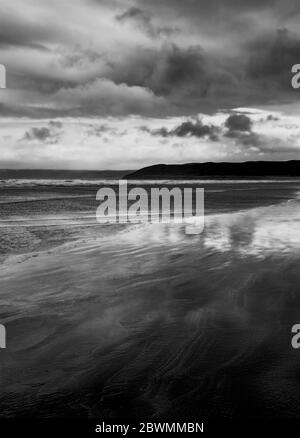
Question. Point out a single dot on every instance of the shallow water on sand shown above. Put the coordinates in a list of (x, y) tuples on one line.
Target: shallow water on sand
[(145, 321)]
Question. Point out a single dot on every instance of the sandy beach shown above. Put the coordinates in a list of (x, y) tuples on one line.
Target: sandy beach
[(146, 320)]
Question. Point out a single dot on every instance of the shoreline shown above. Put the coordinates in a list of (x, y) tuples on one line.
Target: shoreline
[(86, 230), (47, 250)]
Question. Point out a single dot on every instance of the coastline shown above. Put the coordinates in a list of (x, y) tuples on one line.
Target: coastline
[(51, 233)]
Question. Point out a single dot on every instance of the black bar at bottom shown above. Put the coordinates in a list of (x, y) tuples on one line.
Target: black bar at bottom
[(125, 427)]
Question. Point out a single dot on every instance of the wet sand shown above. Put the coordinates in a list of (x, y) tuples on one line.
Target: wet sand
[(151, 322)]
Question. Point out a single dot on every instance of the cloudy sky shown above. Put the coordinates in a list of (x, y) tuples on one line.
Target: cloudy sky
[(126, 83)]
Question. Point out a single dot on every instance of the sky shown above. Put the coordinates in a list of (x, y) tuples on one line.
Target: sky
[(122, 84)]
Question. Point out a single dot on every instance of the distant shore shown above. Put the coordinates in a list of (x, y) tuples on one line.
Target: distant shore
[(247, 169)]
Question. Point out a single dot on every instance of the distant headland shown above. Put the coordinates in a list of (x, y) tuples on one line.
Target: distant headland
[(247, 169)]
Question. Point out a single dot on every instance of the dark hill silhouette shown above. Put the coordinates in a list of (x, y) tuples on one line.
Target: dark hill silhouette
[(247, 169)]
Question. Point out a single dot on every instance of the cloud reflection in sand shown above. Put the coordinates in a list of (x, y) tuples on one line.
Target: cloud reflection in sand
[(259, 232)]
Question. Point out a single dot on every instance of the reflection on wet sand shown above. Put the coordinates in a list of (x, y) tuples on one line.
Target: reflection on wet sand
[(149, 321)]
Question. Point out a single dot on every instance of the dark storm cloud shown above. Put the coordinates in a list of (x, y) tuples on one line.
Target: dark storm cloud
[(186, 77), (196, 129), (272, 118), (187, 129), (201, 10), (143, 20), (49, 134), (239, 127), (38, 134), (272, 57), (180, 70), (197, 56), (205, 80), (238, 123)]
